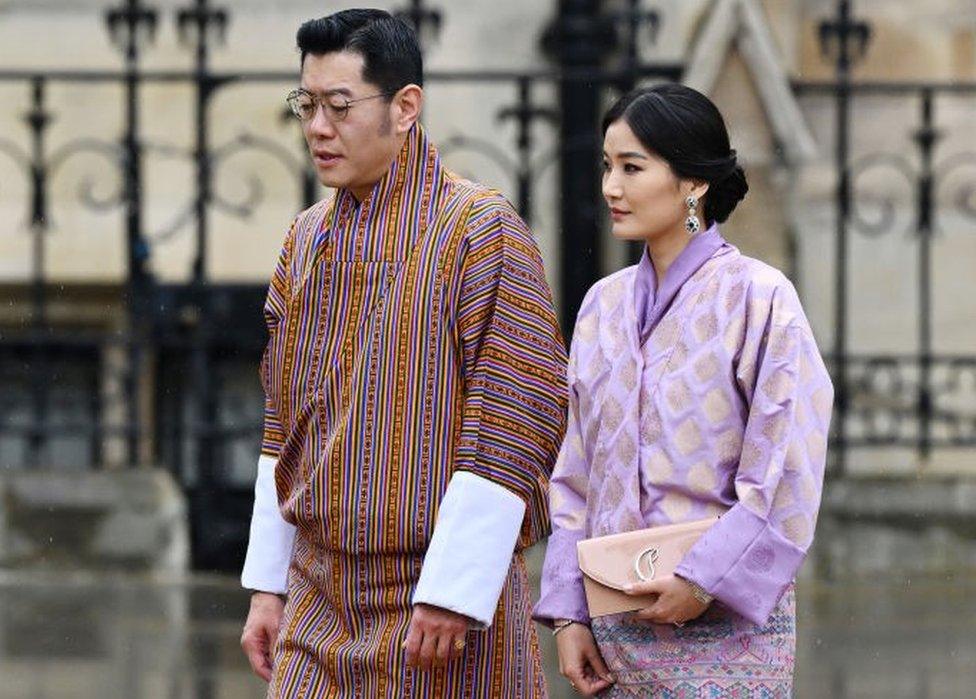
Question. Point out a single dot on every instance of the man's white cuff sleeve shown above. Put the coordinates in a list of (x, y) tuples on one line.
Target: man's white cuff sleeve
[(470, 553), (272, 538)]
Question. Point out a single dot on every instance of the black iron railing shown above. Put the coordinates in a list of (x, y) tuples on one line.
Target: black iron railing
[(869, 387), (171, 377)]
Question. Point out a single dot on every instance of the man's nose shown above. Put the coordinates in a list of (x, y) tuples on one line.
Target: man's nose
[(319, 124)]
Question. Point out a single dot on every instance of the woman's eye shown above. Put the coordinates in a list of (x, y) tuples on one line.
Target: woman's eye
[(605, 165), (630, 168)]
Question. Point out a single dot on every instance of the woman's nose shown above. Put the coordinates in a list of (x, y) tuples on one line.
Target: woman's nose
[(611, 186)]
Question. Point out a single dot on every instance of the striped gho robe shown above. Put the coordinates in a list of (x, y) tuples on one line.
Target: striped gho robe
[(415, 376)]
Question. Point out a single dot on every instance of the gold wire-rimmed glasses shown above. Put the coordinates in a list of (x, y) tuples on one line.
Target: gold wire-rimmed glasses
[(304, 104)]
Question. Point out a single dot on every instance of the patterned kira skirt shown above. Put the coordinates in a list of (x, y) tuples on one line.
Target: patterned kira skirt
[(720, 655)]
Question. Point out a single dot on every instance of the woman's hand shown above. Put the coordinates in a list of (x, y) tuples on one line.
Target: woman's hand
[(675, 604), (580, 661)]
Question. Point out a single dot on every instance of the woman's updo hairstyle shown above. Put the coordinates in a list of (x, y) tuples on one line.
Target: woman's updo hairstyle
[(684, 127)]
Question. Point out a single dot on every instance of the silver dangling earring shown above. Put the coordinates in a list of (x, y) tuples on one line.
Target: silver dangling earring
[(692, 223)]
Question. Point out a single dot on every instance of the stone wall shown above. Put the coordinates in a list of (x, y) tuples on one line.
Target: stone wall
[(882, 527), (133, 520)]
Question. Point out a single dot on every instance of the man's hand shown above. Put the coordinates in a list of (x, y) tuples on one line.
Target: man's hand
[(675, 603), (261, 632), (435, 636), (580, 661)]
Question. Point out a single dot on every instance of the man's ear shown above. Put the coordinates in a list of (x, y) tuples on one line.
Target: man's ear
[(409, 100)]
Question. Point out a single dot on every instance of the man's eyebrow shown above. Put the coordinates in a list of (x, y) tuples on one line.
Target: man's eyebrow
[(344, 91)]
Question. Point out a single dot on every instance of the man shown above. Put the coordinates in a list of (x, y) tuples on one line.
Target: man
[(415, 381)]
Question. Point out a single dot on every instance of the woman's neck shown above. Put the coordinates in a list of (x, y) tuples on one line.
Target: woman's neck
[(664, 250)]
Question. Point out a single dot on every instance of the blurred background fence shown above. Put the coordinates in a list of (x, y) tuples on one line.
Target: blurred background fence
[(155, 362)]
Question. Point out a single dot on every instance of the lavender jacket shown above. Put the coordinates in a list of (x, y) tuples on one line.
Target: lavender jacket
[(704, 395)]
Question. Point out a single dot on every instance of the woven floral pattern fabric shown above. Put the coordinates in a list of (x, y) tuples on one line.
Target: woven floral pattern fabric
[(720, 655), (721, 408)]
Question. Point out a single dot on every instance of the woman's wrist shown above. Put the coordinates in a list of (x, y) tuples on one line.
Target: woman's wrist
[(561, 624), (697, 591)]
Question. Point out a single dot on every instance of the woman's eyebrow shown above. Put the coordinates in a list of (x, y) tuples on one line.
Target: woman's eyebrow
[(628, 154)]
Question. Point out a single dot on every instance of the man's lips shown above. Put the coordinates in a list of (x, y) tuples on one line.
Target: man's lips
[(325, 158)]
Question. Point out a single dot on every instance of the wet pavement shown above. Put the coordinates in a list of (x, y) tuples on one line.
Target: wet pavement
[(70, 635)]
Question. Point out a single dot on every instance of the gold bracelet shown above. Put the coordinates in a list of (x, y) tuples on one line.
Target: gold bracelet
[(556, 628), (699, 593)]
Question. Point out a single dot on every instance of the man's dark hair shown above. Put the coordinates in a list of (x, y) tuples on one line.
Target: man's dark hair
[(389, 47)]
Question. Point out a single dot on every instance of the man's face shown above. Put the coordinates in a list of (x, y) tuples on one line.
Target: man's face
[(356, 151)]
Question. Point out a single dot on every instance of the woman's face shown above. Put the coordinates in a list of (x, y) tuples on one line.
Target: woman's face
[(645, 197)]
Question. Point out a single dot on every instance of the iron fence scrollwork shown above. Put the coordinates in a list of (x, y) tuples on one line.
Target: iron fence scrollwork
[(173, 383)]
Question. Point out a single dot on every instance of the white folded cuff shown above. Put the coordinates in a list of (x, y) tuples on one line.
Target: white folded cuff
[(272, 538), (470, 553)]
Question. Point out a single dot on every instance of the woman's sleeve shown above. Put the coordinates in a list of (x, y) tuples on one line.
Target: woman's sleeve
[(562, 595), (752, 554)]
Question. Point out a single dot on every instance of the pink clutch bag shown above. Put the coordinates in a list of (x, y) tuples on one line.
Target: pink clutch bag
[(609, 563)]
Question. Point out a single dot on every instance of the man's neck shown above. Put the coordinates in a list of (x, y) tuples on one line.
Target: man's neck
[(360, 192)]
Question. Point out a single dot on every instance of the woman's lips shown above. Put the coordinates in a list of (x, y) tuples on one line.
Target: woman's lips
[(618, 214)]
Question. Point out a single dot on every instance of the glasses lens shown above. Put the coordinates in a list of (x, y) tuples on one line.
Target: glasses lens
[(338, 107), (301, 104)]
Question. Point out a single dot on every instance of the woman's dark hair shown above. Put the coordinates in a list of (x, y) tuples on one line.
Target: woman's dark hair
[(685, 128), (391, 54)]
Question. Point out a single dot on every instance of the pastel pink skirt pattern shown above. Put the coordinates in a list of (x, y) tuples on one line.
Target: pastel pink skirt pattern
[(720, 655)]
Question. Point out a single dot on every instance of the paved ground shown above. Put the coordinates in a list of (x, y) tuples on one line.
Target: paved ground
[(130, 638)]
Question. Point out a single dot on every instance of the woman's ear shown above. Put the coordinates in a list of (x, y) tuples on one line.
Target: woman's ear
[(409, 100), (698, 189)]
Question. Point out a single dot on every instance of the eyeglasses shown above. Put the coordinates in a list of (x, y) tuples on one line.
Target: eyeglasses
[(304, 104)]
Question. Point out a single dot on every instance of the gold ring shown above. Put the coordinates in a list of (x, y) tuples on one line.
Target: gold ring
[(458, 644)]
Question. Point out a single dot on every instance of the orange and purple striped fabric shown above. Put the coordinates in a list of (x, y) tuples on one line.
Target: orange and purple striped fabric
[(411, 336)]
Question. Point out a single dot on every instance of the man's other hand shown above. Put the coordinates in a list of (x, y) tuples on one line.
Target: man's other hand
[(435, 636), (261, 632)]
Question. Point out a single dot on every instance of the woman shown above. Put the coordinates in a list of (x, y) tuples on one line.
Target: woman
[(696, 390)]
